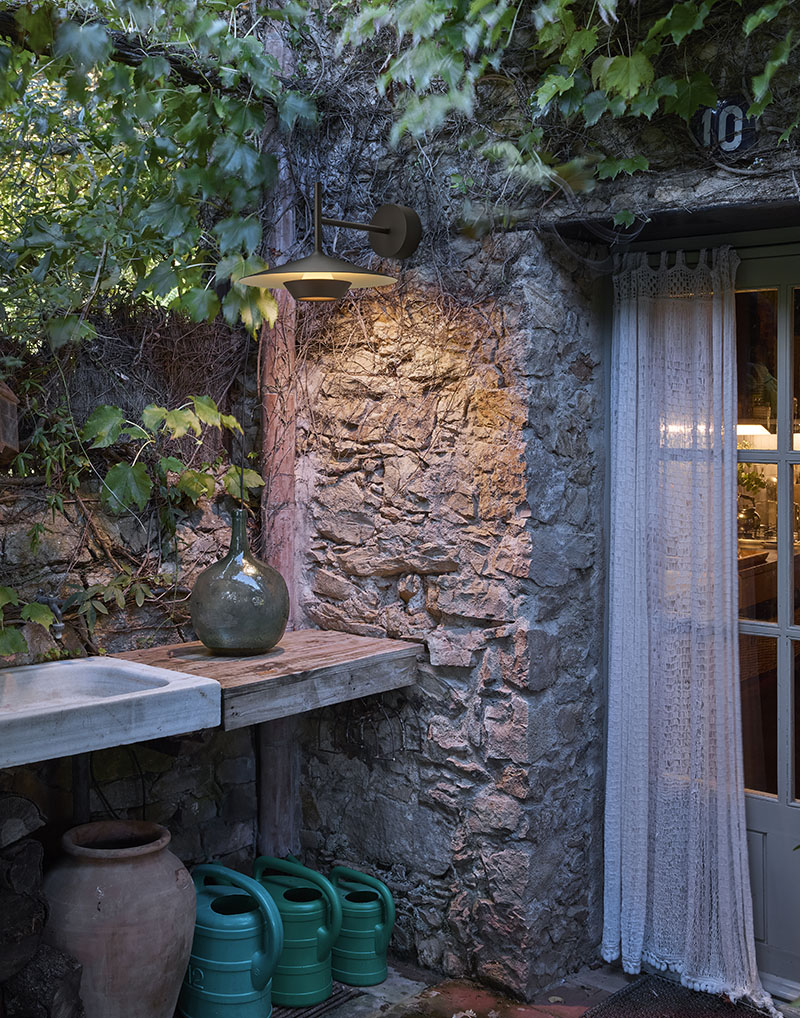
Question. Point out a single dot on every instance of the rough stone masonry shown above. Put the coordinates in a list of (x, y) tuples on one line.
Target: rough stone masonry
[(452, 476)]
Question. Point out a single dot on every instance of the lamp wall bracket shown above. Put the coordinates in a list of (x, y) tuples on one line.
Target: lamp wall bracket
[(395, 230)]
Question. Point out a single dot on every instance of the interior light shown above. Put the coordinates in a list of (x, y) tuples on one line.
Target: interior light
[(752, 429)]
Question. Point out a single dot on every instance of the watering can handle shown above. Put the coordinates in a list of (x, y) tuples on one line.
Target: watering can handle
[(264, 961), (326, 936), (342, 874)]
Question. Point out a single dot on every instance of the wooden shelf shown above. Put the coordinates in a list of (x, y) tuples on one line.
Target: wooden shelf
[(309, 668)]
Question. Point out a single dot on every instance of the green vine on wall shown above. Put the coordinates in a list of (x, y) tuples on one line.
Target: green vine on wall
[(574, 65)]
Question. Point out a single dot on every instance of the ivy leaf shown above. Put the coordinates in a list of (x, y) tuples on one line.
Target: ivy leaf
[(35, 612), (250, 305), (153, 416), (171, 464), (229, 421), (68, 329), (627, 75), (180, 422), (86, 45), (293, 106), (594, 106), (207, 410), (686, 18), (8, 596), (646, 103), (196, 484), (690, 94), (236, 233), (789, 130), (580, 45), (37, 24), (200, 304), (252, 480), (152, 68), (12, 642), (777, 58), (160, 280), (553, 85), (236, 159), (762, 15), (167, 217), (757, 108), (126, 485), (103, 427), (624, 218), (610, 168)]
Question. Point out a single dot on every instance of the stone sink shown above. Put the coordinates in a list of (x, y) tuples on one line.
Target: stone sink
[(66, 707)]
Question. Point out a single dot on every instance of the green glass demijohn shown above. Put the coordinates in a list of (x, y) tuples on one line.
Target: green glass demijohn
[(240, 605)]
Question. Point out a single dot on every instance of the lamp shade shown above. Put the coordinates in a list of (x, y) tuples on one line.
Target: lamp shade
[(317, 266)]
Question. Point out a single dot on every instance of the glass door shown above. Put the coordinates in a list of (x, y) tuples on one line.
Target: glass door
[(768, 524)]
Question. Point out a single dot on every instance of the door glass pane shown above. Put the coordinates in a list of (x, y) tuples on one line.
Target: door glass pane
[(756, 351), (756, 524), (796, 541), (758, 663), (796, 369), (795, 645)]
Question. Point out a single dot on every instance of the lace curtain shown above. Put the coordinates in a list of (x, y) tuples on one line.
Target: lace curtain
[(677, 888)]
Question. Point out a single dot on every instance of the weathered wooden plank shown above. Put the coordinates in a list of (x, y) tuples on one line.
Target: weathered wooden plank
[(294, 694), (309, 668), (279, 794)]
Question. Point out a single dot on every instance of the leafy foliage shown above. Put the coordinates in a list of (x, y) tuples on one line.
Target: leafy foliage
[(132, 144), (123, 181), (128, 485), (577, 61)]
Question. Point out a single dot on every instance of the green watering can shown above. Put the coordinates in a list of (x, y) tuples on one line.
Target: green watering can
[(359, 954), (312, 917), (238, 938)]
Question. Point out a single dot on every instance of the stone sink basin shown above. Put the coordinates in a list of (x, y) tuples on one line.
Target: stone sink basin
[(65, 707)]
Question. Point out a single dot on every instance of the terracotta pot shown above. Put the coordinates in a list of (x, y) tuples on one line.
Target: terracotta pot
[(124, 906)]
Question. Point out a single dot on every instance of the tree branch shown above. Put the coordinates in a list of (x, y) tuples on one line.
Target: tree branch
[(128, 50)]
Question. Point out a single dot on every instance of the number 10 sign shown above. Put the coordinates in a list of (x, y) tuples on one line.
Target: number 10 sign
[(725, 126)]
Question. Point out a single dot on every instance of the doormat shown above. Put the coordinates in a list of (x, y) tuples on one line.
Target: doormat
[(341, 994), (653, 997)]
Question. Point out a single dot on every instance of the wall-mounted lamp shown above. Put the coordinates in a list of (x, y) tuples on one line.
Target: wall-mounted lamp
[(394, 232)]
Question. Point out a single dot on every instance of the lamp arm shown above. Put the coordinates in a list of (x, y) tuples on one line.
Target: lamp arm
[(354, 226)]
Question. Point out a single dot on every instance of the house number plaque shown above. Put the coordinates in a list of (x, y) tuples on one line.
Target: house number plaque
[(725, 126)]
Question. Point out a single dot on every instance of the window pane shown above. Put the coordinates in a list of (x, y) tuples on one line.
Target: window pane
[(757, 519), (758, 662), (756, 351)]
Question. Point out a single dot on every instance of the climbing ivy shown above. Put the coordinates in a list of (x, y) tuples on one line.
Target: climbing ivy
[(575, 64)]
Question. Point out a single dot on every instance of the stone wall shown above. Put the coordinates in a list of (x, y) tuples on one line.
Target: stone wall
[(452, 478), (201, 787)]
